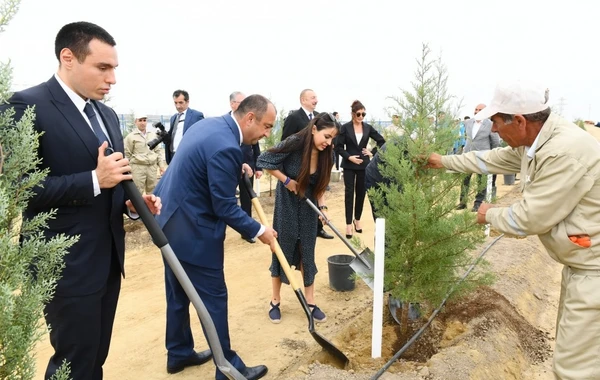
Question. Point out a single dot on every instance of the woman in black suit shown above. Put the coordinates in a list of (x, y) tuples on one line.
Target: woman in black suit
[(351, 144)]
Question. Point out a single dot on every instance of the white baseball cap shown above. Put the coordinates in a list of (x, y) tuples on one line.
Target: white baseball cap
[(516, 98), (140, 115)]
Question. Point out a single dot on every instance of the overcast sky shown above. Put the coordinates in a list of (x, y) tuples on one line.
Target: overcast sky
[(343, 49)]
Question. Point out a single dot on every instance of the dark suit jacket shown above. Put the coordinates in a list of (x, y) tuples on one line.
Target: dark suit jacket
[(295, 122), (191, 117), (346, 144), (251, 153), (198, 193), (69, 149)]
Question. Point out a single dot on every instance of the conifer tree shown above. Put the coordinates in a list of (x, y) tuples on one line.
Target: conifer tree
[(428, 242), (30, 265)]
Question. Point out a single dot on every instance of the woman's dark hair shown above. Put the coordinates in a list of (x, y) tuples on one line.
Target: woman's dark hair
[(303, 140), (357, 105)]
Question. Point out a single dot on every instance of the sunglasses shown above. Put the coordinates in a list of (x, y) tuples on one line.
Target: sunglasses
[(360, 114)]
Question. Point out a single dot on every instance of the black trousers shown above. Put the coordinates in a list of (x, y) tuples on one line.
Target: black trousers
[(354, 182), (481, 184), (81, 328)]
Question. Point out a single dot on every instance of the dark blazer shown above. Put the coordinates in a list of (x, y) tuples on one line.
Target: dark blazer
[(346, 144), (251, 153), (295, 122), (69, 150), (191, 117), (198, 193)]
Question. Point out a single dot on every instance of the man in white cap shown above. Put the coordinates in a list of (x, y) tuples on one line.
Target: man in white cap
[(560, 181), (145, 162)]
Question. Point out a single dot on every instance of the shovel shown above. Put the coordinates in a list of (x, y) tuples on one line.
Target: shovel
[(363, 262), (327, 345), (160, 240)]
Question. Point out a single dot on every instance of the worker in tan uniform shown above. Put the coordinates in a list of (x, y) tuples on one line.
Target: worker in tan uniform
[(560, 180), (146, 163)]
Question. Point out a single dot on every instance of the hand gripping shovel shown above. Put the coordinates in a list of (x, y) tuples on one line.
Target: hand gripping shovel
[(363, 262), (327, 345), (160, 240)]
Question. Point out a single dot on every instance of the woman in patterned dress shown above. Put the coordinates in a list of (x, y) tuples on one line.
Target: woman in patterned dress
[(302, 164)]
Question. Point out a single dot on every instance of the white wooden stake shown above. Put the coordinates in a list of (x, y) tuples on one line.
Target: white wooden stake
[(488, 199), (377, 330)]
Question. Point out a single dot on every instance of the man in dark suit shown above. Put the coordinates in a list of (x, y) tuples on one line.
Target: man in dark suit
[(83, 185), (251, 153), (199, 194), (479, 137), (298, 120), (180, 122)]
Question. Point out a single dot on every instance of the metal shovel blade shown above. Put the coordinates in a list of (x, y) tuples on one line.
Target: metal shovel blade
[(394, 305), (363, 262), (363, 270)]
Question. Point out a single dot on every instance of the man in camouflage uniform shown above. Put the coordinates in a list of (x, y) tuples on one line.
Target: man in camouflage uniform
[(145, 163)]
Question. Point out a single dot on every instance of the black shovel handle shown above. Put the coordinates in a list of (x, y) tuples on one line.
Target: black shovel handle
[(158, 236)]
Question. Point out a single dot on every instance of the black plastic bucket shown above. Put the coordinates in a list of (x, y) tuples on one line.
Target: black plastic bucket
[(509, 179), (341, 275)]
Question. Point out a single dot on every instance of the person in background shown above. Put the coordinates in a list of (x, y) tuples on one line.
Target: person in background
[(298, 120), (336, 155), (460, 142), (479, 137), (302, 163), (352, 146), (145, 163), (180, 122)]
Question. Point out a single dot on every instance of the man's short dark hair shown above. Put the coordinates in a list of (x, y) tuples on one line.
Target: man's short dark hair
[(76, 37), (334, 113), (185, 94), (467, 117), (254, 103)]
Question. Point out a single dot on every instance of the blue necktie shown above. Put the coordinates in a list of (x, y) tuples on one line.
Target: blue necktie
[(89, 111)]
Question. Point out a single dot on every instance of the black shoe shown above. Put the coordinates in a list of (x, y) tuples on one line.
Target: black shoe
[(255, 373), (475, 207), (461, 207), (356, 229), (324, 235), (198, 358), (249, 240)]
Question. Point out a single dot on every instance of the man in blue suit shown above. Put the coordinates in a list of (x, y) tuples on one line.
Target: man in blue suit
[(83, 186), (198, 191), (180, 123)]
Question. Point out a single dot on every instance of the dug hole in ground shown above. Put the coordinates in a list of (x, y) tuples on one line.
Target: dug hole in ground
[(502, 332)]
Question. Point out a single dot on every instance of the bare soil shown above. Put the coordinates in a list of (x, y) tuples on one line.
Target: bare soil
[(501, 332)]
